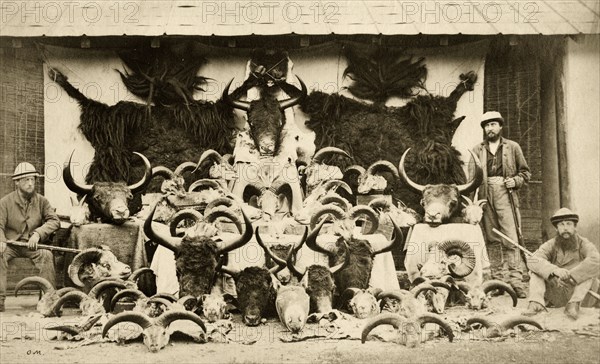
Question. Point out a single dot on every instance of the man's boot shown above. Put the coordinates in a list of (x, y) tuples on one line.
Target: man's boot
[(534, 308), (572, 310), (2, 308)]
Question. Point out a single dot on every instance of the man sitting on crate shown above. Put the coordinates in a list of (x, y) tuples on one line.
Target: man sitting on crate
[(26, 216), (563, 269)]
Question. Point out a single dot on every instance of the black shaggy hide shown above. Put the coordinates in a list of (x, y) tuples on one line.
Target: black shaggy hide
[(320, 285), (196, 263), (358, 272), (103, 193), (266, 120), (373, 132), (255, 291)]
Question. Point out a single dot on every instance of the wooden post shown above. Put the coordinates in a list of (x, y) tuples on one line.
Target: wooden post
[(561, 123)]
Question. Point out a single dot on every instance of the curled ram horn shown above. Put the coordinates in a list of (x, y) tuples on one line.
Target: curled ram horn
[(332, 210), (423, 287), (359, 210), (182, 215), (188, 301), (219, 201), (214, 214), (337, 200), (203, 184), (139, 272), (87, 256), (209, 154), (495, 330), (334, 183), (185, 167), (323, 152), (464, 251), (354, 169), (40, 282), (383, 166), (73, 296), (167, 296), (398, 322), (100, 287), (493, 284), (169, 242), (136, 294), (162, 171), (380, 203)]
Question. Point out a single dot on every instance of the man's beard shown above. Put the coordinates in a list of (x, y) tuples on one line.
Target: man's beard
[(492, 137), (567, 244)]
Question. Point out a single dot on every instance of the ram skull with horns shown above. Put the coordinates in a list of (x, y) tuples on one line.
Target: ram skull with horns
[(108, 201)]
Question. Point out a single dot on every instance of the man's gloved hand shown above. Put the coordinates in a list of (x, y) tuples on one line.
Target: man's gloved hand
[(2, 247), (33, 241), (562, 273)]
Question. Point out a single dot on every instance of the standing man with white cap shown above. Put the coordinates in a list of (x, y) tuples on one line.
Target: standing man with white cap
[(26, 216), (504, 169)]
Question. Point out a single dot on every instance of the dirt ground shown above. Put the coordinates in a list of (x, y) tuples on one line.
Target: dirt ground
[(24, 339)]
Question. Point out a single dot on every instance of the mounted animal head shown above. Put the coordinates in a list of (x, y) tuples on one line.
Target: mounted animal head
[(316, 279), (155, 330), (91, 303), (362, 302), (173, 183), (473, 212), (214, 306), (265, 117), (344, 222), (317, 172), (409, 329), (441, 201), (50, 294), (268, 67), (198, 251), (220, 167), (272, 196), (312, 201), (493, 329), (453, 257), (405, 303), (108, 200), (256, 286), (402, 217), (435, 299), (370, 180), (80, 211), (94, 264), (479, 297)]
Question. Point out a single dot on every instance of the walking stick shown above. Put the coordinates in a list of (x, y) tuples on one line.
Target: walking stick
[(511, 198), (43, 246)]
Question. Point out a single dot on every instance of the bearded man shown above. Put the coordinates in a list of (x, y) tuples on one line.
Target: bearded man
[(26, 216), (563, 269), (505, 170)]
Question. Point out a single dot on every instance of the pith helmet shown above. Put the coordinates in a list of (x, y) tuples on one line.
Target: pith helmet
[(490, 116), (25, 169), (564, 214)]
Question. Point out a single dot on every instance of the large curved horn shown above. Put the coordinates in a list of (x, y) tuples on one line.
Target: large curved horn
[(394, 243), (398, 295), (464, 287), (336, 199), (188, 301), (427, 318), (354, 169), (423, 287), (238, 242), (87, 256), (293, 101), (336, 183), (346, 262), (279, 263), (383, 165), (204, 182), (415, 187), (291, 258), (209, 153), (480, 320), (358, 210), (168, 242), (100, 287), (184, 167), (382, 319), (182, 215), (477, 179), (520, 320), (143, 183), (73, 296), (42, 283), (167, 296), (236, 104), (166, 318), (162, 171), (380, 203), (160, 300), (225, 212), (463, 250), (219, 201), (135, 275), (497, 284), (469, 201), (80, 189), (129, 293), (311, 240), (63, 291), (321, 153), (129, 316), (337, 213), (437, 283)]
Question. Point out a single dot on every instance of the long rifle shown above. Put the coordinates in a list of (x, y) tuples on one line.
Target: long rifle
[(43, 246), (511, 198)]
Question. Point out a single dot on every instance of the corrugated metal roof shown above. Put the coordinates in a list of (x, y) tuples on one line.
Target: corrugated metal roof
[(314, 17)]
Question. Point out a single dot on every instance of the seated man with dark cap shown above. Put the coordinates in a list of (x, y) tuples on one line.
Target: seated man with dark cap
[(563, 269), (26, 216)]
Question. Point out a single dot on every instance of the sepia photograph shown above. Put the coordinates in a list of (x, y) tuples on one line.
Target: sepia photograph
[(306, 181)]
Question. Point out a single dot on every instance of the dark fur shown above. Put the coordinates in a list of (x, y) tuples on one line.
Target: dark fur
[(102, 194), (320, 285), (196, 264), (255, 291), (358, 272), (266, 119)]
